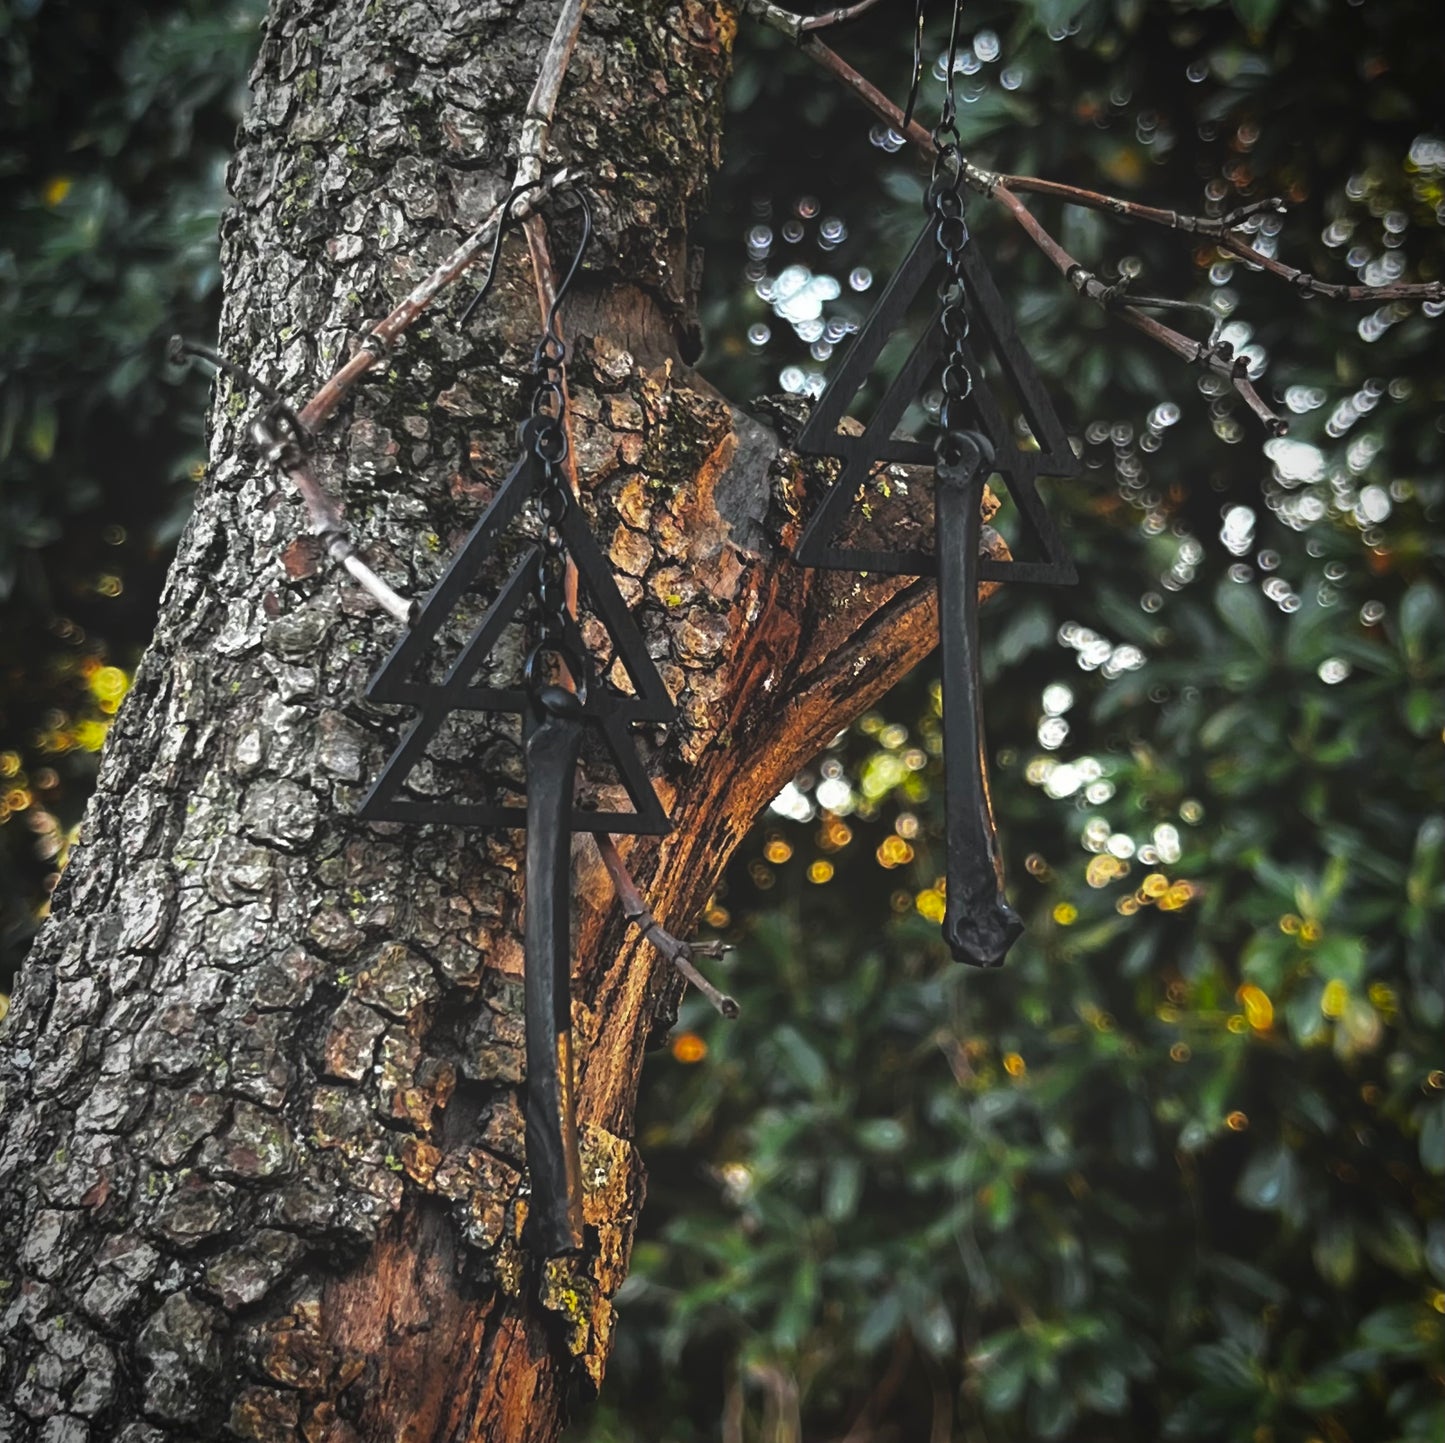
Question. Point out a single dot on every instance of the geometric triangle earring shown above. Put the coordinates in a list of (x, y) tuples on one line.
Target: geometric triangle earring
[(399, 679), (559, 701), (974, 442), (925, 267)]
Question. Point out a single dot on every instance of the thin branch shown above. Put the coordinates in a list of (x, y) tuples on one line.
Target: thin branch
[(1210, 357), (1005, 188), (536, 130), (1310, 285), (795, 26), (993, 186), (383, 336), (542, 105), (1134, 210), (1222, 229), (840, 16), (293, 456), (678, 952)]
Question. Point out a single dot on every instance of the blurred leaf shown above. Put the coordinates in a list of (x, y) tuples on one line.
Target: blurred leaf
[(1242, 610), (1258, 15), (1432, 1138)]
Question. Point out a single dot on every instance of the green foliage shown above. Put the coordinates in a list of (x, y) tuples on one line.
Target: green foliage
[(1174, 1171), (120, 122)]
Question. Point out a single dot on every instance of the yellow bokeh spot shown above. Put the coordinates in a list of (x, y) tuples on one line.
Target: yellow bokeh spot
[(1289, 924), (1126, 906), (1165, 1013), (894, 852), (109, 683), (17, 799), (777, 851), (820, 872), (1014, 1065), (1238, 1023), (689, 1047), (56, 189), (1384, 999), (930, 904), (1180, 1052), (1104, 869), (1336, 998), (1310, 932), (1237, 1121), (1435, 1081), (1156, 884), (716, 916), (1437, 1299), (89, 736), (1258, 1009), (1066, 914), (1176, 898), (9, 763)]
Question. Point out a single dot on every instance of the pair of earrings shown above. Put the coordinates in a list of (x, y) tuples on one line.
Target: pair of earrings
[(560, 699)]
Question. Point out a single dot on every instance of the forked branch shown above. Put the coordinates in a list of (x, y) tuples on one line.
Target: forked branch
[(678, 952), (1005, 189)]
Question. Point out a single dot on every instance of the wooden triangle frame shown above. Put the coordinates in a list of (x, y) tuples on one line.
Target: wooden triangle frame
[(610, 711), (1019, 470)]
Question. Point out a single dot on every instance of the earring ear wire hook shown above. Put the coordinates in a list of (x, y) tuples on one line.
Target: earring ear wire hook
[(917, 80), (503, 225), (550, 347)]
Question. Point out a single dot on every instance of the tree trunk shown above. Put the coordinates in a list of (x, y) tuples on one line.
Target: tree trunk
[(262, 1168)]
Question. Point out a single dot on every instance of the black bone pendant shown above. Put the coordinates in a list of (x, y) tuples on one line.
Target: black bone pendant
[(554, 723), (979, 925), (552, 1154)]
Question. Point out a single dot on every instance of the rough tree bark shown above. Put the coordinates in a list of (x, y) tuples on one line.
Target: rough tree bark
[(262, 1162)]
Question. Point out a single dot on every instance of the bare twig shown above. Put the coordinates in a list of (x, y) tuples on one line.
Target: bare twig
[(1006, 188), (1223, 229), (293, 456), (678, 952), (536, 130), (1133, 210), (839, 16), (384, 335), (1310, 285), (542, 105), (994, 187), (796, 26), (1194, 352)]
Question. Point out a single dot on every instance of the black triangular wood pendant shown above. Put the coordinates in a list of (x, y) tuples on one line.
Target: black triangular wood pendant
[(402, 678), (1018, 469)]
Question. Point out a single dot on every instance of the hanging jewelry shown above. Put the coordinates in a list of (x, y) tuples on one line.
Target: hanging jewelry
[(559, 701), (974, 441)]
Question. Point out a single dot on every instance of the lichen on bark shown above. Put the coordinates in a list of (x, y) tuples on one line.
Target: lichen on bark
[(262, 1171)]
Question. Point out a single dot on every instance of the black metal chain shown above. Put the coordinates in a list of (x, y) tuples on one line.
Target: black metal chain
[(546, 434), (944, 200)]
